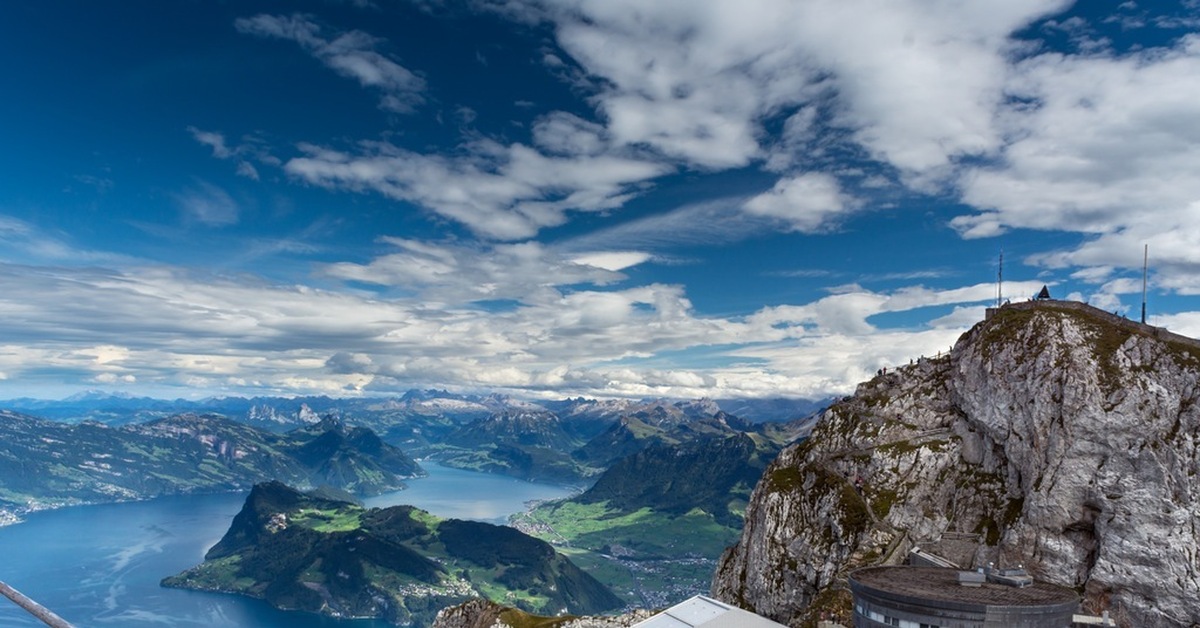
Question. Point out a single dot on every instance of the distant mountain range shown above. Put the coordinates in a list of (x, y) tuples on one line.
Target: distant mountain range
[(283, 413), (49, 463), (570, 440)]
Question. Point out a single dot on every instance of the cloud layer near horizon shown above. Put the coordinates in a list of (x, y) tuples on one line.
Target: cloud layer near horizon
[(215, 333)]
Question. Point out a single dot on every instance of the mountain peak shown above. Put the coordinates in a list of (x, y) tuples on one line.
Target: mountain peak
[(1054, 435)]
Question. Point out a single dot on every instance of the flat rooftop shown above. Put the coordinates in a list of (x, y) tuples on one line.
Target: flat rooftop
[(704, 612), (941, 584)]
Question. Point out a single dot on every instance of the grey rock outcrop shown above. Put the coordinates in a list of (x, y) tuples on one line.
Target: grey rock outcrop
[(484, 614), (1051, 436)]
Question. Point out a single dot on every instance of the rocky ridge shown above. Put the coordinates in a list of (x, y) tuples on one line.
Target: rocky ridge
[(480, 613), (1052, 435)]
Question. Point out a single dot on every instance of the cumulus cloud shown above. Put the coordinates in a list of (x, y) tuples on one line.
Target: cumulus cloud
[(351, 54), (808, 202), (1104, 145), (915, 82)]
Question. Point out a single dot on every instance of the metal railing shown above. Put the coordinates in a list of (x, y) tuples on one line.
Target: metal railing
[(33, 608)]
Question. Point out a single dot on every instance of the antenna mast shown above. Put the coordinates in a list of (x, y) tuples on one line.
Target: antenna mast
[(1000, 281), (1145, 262)]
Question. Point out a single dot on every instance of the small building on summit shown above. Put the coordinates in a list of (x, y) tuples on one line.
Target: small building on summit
[(704, 612), (1043, 294), (936, 597)]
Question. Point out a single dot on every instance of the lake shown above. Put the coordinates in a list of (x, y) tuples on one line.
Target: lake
[(100, 565)]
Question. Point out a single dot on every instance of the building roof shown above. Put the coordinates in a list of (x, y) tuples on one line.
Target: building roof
[(704, 612), (940, 584)]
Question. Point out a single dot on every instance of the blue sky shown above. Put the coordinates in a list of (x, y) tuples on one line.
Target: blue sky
[(682, 198)]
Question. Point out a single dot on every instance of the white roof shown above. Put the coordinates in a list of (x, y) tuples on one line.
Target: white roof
[(701, 611)]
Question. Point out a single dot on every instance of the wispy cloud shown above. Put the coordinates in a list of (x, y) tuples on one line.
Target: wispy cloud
[(23, 242), (351, 54), (208, 204), (709, 222), (505, 192), (248, 148)]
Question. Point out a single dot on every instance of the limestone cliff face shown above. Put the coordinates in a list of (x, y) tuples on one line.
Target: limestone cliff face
[(1052, 435)]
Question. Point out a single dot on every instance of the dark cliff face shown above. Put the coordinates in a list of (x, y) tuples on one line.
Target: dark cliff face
[(1050, 436)]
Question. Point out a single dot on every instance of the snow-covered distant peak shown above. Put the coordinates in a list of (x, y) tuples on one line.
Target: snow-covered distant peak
[(447, 405), (306, 414)]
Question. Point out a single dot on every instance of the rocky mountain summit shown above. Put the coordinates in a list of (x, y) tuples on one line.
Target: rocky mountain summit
[(1053, 435)]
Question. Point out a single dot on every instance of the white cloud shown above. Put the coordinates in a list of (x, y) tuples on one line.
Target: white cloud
[(911, 84), (213, 140), (916, 82), (563, 330), (1185, 323), (848, 310), (612, 260), (351, 54), (246, 169), (249, 147), (501, 192), (461, 274), (560, 133), (1104, 145), (113, 378), (808, 202)]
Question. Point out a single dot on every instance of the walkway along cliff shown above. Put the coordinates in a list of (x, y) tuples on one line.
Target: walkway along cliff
[(1053, 435)]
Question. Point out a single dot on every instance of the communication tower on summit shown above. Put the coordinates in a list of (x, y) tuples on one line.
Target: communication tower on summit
[(1000, 281), (1145, 263)]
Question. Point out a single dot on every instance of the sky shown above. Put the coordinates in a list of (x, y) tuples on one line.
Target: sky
[(550, 198)]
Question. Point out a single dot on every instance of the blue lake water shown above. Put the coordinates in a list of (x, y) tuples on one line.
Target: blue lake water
[(100, 565)]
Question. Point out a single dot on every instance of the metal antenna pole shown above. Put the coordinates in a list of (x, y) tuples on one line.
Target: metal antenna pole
[(1000, 281), (1145, 263)]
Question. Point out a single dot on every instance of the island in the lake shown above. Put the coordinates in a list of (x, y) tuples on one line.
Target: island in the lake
[(317, 553)]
